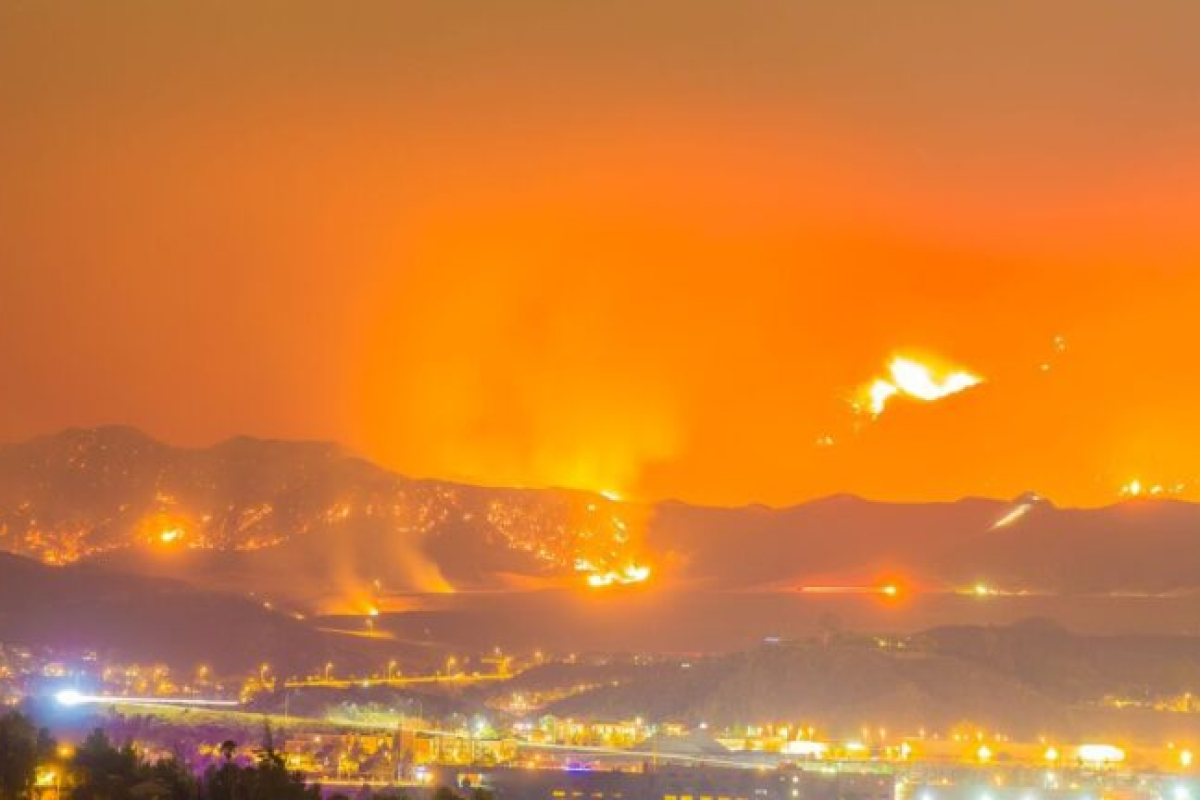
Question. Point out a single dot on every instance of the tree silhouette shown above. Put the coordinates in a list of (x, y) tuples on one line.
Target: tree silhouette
[(22, 746), (268, 779), (102, 771)]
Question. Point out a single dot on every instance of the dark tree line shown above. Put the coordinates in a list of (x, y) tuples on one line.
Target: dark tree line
[(100, 770), (23, 746)]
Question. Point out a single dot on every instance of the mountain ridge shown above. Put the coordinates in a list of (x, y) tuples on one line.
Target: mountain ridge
[(318, 529)]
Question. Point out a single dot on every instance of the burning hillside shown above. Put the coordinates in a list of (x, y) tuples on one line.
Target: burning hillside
[(350, 526)]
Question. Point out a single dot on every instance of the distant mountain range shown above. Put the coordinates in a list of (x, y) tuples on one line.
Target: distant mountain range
[(308, 529), (1024, 546), (1028, 679)]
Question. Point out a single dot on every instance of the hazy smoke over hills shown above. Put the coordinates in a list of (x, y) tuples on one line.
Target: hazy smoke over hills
[(310, 529)]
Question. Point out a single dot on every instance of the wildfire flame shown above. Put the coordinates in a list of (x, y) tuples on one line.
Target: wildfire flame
[(913, 379), (629, 574)]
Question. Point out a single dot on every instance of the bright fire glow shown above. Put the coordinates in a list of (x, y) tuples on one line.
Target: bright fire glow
[(629, 574), (170, 535), (913, 379)]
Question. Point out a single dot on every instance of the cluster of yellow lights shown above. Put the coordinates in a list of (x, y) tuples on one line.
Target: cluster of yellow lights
[(911, 378)]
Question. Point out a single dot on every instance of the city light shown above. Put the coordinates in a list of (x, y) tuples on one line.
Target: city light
[(69, 698), (1100, 754), (806, 749)]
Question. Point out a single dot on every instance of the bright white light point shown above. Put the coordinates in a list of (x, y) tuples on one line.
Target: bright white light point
[(610, 495), (71, 697), (1100, 754)]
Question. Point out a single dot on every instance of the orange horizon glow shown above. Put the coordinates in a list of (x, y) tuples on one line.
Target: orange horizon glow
[(655, 251)]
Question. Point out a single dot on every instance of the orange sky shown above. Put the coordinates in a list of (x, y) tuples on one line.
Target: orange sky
[(648, 247)]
